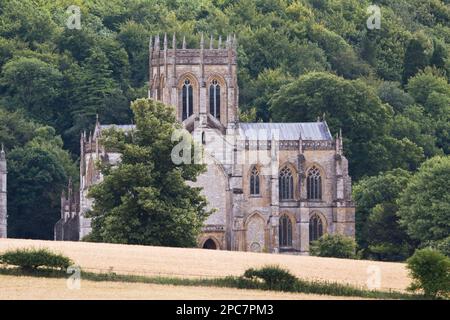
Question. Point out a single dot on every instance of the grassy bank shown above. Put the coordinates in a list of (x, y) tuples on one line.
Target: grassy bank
[(301, 286)]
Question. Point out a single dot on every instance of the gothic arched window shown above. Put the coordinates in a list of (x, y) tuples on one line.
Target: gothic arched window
[(188, 99), (286, 184), (254, 181), (214, 99), (285, 231), (314, 184), (315, 228)]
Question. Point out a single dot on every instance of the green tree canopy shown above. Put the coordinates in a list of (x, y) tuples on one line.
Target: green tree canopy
[(33, 85), (377, 229), (424, 205), (355, 108), (145, 199)]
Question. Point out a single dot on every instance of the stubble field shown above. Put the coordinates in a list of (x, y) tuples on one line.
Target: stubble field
[(199, 263)]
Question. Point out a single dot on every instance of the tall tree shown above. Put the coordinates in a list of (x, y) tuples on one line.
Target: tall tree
[(377, 228), (33, 85), (424, 205), (416, 57), (37, 173), (146, 199), (355, 108)]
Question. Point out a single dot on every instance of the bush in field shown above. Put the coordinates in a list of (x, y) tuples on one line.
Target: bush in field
[(274, 278), (430, 271), (32, 259), (336, 246)]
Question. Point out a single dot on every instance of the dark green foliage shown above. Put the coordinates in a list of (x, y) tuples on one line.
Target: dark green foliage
[(274, 277), (38, 171), (444, 246), (416, 57), (32, 259), (392, 93), (377, 228), (341, 55), (33, 85), (424, 204), (290, 56), (348, 105), (145, 198), (430, 271), (335, 246)]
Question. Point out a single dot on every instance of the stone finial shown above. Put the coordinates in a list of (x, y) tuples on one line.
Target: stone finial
[(339, 145), (184, 42), (96, 132), (150, 44), (165, 41), (157, 46), (2, 153), (234, 41), (174, 41), (219, 46), (202, 41), (211, 42), (300, 143), (70, 187)]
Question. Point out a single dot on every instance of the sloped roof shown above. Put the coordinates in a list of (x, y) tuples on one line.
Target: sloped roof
[(316, 131), (285, 131)]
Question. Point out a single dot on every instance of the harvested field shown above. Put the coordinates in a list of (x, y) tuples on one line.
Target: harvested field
[(177, 262), (31, 288)]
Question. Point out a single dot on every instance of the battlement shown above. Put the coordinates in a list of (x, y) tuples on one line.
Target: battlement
[(156, 45), (197, 81)]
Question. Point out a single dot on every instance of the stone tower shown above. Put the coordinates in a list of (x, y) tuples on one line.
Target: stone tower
[(3, 208), (201, 83)]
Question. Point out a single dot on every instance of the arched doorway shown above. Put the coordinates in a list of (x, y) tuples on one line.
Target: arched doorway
[(210, 244), (255, 233)]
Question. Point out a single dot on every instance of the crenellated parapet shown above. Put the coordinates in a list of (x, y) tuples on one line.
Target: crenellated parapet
[(200, 82)]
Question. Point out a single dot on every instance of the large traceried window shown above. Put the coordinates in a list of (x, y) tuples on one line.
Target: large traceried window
[(214, 99), (254, 181), (286, 184), (285, 231), (314, 184), (315, 228), (187, 99)]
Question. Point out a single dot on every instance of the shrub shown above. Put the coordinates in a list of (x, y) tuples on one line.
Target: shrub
[(273, 277), (430, 271), (337, 246), (32, 259)]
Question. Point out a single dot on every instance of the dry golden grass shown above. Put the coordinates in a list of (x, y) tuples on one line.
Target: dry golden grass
[(146, 260), (29, 288)]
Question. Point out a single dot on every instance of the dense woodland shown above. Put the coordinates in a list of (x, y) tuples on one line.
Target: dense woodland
[(387, 89)]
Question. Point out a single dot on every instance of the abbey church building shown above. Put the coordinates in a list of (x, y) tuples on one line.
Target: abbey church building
[(275, 186)]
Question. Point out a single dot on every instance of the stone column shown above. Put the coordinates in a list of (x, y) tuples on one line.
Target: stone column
[(303, 228)]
